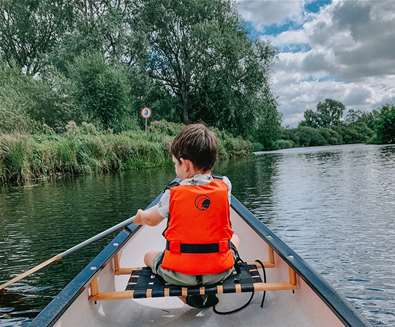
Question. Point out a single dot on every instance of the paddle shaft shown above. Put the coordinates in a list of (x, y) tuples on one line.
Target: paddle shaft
[(61, 255)]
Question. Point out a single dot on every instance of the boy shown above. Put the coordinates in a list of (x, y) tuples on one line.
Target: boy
[(198, 231)]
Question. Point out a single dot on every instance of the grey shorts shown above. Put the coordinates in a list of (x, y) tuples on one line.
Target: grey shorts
[(175, 278)]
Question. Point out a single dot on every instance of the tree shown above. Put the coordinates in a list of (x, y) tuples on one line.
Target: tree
[(200, 54), (311, 119), (30, 30), (385, 125), (106, 27), (329, 113), (268, 128), (101, 91)]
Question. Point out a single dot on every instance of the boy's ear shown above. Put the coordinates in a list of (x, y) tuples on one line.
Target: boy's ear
[(188, 165)]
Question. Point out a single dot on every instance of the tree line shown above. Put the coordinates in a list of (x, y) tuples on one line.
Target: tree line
[(100, 61), (331, 123)]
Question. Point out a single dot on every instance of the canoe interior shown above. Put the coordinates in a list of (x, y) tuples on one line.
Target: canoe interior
[(307, 306)]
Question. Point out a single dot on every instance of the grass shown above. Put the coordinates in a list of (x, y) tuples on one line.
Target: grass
[(25, 157)]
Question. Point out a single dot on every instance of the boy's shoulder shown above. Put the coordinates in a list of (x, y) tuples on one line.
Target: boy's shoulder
[(200, 179)]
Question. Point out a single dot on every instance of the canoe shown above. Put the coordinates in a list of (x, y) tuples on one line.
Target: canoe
[(295, 295)]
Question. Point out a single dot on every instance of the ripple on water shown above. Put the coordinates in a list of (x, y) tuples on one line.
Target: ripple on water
[(333, 205)]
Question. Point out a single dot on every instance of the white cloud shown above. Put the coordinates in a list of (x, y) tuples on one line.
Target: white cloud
[(266, 12), (288, 37), (351, 56)]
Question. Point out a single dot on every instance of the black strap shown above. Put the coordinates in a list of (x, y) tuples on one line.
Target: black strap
[(218, 177), (173, 183), (199, 280), (198, 248)]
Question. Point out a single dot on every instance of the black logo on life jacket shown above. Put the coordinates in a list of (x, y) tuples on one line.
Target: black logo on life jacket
[(202, 202)]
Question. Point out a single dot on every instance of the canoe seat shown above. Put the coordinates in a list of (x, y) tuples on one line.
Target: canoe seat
[(143, 283)]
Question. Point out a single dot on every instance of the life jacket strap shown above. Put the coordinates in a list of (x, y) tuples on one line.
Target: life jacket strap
[(178, 247)]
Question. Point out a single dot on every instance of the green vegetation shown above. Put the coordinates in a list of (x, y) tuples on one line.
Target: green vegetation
[(325, 126), (63, 63), (188, 61), (82, 150)]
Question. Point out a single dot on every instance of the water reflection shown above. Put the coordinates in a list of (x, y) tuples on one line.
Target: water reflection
[(336, 210), (252, 181), (333, 205)]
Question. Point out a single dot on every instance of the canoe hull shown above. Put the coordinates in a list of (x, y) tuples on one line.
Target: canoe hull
[(313, 303)]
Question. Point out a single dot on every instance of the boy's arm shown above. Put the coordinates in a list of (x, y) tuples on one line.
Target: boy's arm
[(150, 217)]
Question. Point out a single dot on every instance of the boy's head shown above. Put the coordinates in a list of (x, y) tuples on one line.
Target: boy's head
[(197, 144)]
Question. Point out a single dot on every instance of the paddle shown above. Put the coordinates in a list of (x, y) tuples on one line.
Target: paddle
[(61, 255)]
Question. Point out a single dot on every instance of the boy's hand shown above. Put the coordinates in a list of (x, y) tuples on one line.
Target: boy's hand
[(139, 220), (149, 217)]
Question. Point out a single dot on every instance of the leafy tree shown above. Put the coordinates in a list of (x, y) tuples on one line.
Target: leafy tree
[(268, 128), (29, 30), (308, 136), (100, 90), (200, 54), (311, 119), (385, 125), (329, 113), (106, 27), (358, 122), (52, 101), (330, 136)]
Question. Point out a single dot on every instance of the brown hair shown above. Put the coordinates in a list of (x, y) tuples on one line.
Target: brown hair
[(197, 144)]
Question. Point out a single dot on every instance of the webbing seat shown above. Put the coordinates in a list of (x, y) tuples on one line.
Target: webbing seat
[(143, 284)]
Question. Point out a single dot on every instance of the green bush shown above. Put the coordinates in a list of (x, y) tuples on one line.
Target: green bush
[(385, 125), (52, 101), (84, 150), (101, 92), (330, 136), (165, 127), (256, 146), (14, 100), (284, 144), (308, 136)]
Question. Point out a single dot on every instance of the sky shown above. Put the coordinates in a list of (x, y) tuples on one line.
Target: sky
[(338, 49)]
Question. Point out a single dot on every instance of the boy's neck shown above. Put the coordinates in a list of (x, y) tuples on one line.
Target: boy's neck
[(199, 172)]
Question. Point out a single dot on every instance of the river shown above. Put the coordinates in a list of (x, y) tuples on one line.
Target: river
[(335, 206)]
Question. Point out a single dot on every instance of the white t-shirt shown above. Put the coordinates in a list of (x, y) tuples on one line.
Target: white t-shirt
[(199, 179)]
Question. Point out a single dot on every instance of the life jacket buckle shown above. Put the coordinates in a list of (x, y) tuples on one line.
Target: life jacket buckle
[(174, 246)]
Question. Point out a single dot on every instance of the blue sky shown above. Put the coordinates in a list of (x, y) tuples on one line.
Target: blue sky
[(340, 49)]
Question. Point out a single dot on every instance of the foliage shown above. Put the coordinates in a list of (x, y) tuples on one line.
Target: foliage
[(385, 125), (357, 126), (307, 136), (15, 99), (268, 127), (331, 136), (284, 144), (52, 101), (30, 30), (198, 51), (28, 104), (84, 150), (328, 114), (101, 92), (256, 146)]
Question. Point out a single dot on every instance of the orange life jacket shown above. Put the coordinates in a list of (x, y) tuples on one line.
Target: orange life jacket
[(199, 230)]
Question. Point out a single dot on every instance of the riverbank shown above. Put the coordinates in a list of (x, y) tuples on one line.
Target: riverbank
[(83, 150)]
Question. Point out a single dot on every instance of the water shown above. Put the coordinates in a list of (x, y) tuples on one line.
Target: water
[(335, 206)]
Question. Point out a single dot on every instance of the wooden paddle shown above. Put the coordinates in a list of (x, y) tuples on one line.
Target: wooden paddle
[(61, 255)]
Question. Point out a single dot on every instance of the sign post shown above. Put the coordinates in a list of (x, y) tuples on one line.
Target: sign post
[(146, 113)]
